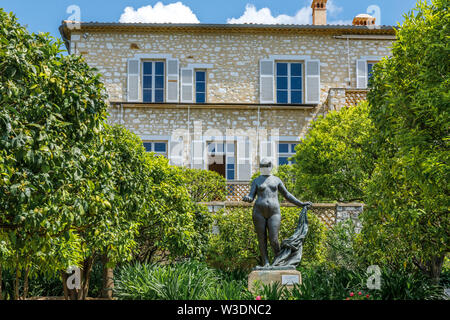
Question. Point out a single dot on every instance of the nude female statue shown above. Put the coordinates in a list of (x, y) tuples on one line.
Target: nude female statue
[(266, 211)]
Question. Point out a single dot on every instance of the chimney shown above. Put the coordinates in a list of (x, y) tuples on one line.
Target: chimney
[(319, 12), (364, 20)]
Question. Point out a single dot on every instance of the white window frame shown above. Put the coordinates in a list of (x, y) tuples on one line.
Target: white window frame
[(289, 63), (154, 79), (288, 154), (153, 142), (206, 84), (226, 152)]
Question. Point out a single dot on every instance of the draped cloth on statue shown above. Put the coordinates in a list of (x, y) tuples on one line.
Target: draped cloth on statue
[(291, 249)]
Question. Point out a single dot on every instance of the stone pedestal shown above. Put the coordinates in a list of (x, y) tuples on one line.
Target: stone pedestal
[(267, 277)]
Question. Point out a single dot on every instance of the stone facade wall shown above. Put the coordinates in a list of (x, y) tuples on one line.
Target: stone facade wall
[(234, 76)]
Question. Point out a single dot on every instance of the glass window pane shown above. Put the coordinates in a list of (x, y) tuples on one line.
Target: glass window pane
[(296, 69), (159, 68), (296, 83), (148, 146), (200, 76), (160, 147), (147, 82), (200, 98), (282, 83), (283, 148), (159, 82), (293, 147), (282, 96), (282, 69), (230, 166), (296, 97), (220, 147), (230, 161), (283, 161), (370, 70), (230, 148), (148, 68), (200, 86), (159, 95), (147, 96), (230, 174)]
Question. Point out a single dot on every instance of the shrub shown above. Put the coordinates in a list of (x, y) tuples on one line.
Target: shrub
[(204, 185), (341, 246), (188, 280), (236, 245)]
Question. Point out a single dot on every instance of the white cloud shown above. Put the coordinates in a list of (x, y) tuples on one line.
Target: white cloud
[(333, 9), (303, 16), (159, 13), (264, 16)]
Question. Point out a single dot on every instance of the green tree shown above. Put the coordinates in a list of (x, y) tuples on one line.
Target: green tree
[(408, 194), (336, 157), (204, 185), (51, 108)]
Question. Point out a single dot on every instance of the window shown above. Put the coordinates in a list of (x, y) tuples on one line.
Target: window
[(153, 81), (200, 86), (158, 147), (370, 66), (221, 159), (289, 82), (285, 151)]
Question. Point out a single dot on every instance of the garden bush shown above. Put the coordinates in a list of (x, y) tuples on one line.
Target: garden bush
[(204, 185), (236, 246)]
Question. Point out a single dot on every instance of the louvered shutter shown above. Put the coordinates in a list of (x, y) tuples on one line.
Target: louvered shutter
[(133, 80), (197, 155), (244, 163), (176, 152), (172, 80), (267, 150), (361, 74), (267, 90), (312, 74), (187, 85)]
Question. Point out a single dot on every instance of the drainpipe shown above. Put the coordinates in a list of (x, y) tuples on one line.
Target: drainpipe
[(349, 84)]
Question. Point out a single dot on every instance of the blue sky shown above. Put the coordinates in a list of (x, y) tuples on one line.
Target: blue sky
[(46, 15)]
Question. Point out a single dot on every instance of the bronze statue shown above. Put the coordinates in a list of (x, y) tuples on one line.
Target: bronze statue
[(267, 216)]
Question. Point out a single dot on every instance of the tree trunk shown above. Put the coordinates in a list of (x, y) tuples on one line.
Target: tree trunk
[(108, 279), (25, 283), (86, 275), (435, 268), (64, 283), (16, 284)]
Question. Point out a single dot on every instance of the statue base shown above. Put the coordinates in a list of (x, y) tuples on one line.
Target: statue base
[(268, 276)]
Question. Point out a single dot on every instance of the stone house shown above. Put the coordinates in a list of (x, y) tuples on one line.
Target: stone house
[(221, 97)]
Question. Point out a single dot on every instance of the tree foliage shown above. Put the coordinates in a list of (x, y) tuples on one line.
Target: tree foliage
[(73, 188), (408, 194), (336, 158), (51, 108), (204, 185)]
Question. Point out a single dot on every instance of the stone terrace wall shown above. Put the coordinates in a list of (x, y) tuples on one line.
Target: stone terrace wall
[(328, 213)]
